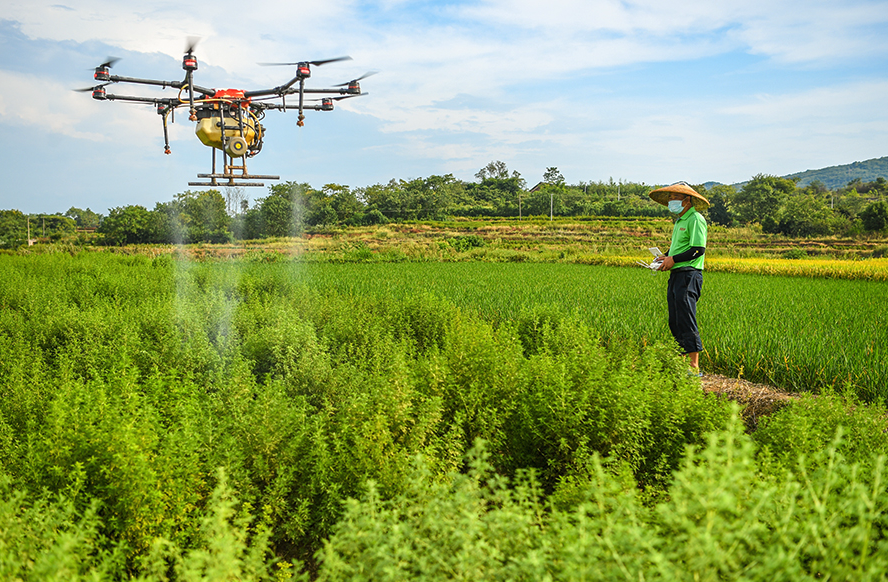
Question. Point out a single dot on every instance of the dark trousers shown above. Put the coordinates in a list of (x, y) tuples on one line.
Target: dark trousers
[(682, 293)]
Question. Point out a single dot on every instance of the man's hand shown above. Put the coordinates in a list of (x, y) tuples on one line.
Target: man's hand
[(667, 263)]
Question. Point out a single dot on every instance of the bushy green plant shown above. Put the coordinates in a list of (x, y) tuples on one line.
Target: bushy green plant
[(470, 527), (49, 538), (795, 253), (466, 242), (720, 521), (809, 425), (127, 382)]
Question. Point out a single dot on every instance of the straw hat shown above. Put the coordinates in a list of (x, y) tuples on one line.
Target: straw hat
[(661, 195)]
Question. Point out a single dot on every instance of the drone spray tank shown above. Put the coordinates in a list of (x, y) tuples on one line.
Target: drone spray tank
[(226, 123)]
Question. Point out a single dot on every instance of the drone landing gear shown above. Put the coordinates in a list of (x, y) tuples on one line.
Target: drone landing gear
[(232, 173)]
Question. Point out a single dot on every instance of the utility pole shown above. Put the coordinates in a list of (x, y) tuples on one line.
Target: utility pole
[(551, 204)]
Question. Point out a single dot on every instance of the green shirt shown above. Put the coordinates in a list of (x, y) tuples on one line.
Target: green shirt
[(689, 231)]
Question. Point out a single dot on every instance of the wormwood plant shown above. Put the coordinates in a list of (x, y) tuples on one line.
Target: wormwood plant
[(722, 521), (810, 424), (48, 538), (471, 526), (126, 383), (230, 546)]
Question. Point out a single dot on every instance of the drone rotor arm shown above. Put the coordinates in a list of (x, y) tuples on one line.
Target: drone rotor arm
[(137, 99), (277, 91), (159, 83)]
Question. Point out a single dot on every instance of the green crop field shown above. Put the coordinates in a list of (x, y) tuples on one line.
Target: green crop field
[(799, 333), (264, 418)]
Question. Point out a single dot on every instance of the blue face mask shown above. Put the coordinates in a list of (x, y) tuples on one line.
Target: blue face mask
[(675, 206)]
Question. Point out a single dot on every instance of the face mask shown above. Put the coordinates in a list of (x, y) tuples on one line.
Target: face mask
[(675, 206)]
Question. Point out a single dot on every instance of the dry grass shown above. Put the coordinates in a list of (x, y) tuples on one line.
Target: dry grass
[(756, 400)]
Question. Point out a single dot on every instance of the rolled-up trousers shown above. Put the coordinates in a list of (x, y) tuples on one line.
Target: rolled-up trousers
[(682, 293)]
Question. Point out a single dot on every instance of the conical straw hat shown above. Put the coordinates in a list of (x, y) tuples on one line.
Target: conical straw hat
[(661, 195)]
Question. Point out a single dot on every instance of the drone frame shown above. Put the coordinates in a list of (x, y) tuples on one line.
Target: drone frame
[(228, 119)]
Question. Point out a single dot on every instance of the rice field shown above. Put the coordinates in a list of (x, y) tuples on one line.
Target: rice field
[(798, 333)]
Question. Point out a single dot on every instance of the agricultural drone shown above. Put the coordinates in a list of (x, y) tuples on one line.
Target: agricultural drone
[(229, 120)]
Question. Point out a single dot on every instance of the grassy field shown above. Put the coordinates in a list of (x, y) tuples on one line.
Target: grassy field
[(378, 406), (802, 334)]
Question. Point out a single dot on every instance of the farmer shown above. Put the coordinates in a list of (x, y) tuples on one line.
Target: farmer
[(684, 261)]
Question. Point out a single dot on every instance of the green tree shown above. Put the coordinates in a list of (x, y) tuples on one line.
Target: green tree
[(166, 224), (492, 197), (875, 216), (553, 176), (278, 215), (283, 212), (548, 198), (127, 225), (13, 228), (497, 170), (720, 197), (850, 203), (430, 198), (806, 215), (346, 207), (204, 216), (386, 199), (761, 197), (84, 218)]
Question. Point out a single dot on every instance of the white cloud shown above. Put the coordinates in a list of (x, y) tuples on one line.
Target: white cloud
[(39, 104), (28, 101), (566, 83), (824, 104)]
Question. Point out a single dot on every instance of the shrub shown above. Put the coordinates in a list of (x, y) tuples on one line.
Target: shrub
[(795, 253), (810, 425), (466, 242)]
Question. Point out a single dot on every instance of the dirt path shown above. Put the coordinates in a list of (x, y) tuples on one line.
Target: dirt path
[(756, 400)]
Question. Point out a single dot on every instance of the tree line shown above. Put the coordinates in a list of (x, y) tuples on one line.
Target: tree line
[(779, 205)]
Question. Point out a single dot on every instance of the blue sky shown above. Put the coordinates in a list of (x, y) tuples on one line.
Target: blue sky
[(648, 91)]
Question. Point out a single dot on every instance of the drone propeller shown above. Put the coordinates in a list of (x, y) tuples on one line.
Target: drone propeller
[(191, 44), (315, 63), (107, 64), (93, 88), (362, 77), (340, 98)]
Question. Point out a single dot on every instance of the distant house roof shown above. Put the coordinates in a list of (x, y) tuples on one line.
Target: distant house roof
[(537, 187)]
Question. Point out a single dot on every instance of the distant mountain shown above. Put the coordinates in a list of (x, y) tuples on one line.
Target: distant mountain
[(835, 177), (839, 176)]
